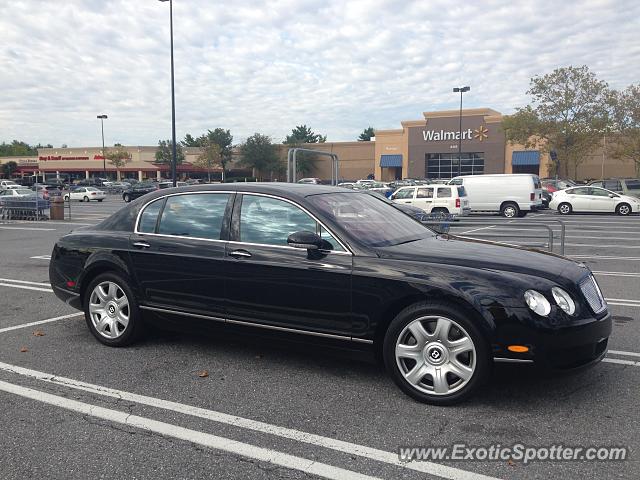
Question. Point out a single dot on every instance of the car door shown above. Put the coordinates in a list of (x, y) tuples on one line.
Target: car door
[(579, 198), (404, 195), (177, 252), (78, 193), (601, 201), (278, 286), (424, 198)]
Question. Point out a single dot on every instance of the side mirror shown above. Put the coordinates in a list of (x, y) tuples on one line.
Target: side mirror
[(304, 239), (611, 195)]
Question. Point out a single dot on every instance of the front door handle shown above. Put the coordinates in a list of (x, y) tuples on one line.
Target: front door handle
[(240, 254), (141, 245)]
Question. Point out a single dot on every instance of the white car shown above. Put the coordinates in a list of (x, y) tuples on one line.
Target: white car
[(5, 184), (435, 198), (86, 194), (593, 199), (16, 192)]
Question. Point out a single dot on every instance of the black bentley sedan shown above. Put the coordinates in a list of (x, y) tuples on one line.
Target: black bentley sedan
[(333, 264)]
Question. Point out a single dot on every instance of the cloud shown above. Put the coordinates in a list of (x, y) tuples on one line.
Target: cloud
[(267, 66)]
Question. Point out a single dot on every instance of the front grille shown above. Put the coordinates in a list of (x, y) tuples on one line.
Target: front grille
[(593, 295)]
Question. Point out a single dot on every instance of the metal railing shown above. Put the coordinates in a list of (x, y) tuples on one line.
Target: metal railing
[(491, 230)]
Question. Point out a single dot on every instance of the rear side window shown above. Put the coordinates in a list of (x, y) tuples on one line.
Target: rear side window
[(611, 185), (444, 192), (462, 192), (633, 184), (149, 217), (580, 191), (196, 216), (424, 193)]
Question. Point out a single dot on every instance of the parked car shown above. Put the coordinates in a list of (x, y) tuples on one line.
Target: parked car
[(16, 192), (336, 265), (624, 186), (414, 212), (47, 191), (546, 198), (552, 185), (593, 199), (4, 184), (86, 194), (138, 190), (513, 195), (435, 198), (311, 181)]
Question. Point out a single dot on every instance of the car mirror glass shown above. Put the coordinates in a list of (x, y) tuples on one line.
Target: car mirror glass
[(306, 240)]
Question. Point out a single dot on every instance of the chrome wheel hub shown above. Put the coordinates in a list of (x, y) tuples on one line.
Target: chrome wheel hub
[(109, 310), (436, 355)]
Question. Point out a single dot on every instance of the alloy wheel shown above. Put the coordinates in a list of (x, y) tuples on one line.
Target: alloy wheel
[(623, 209), (510, 212), (564, 209), (109, 310), (436, 355)]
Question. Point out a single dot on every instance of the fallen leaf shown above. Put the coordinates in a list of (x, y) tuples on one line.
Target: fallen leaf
[(203, 374), (23, 349), (38, 333), (511, 463)]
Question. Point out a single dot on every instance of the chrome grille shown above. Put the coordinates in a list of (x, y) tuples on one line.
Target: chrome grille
[(593, 295)]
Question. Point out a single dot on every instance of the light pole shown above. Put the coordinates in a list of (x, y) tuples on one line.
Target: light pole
[(104, 155), (173, 99), (461, 90)]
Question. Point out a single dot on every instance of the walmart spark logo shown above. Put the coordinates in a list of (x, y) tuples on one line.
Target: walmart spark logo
[(480, 133)]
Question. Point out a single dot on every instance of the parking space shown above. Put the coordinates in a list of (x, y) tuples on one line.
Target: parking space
[(236, 405)]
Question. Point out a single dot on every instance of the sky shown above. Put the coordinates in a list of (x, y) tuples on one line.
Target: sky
[(251, 66)]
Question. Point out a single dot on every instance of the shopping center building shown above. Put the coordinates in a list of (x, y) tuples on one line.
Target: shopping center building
[(423, 148)]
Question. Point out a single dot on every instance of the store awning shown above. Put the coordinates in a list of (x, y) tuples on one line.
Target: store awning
[(388, 161), (528, 157)]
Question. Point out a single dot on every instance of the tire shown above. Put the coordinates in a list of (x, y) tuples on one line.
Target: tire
[(123, 324), (565, 208), (85, 199), (623, 209), (100, 199), (66, 198), (509, 210), (522, 213), (126, 197), (410, 360)]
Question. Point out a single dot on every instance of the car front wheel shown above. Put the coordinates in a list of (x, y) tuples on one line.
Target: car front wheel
[(510, 210), (111, 310), (623, 209), (435, 354)]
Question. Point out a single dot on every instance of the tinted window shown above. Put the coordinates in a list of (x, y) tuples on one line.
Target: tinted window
[(599, 192), (633, 184), (462, 192), (198, 215), (270, 221), (597, 184), (424, 193), (371, 221), (444, 192), (149, 217), (579, 191), (404, 193)]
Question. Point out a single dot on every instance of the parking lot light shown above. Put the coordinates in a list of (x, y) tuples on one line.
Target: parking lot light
[(173, 98), (104, 158), (461, 90)]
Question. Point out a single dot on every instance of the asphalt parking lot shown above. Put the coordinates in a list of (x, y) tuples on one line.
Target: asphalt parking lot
[(278, 408)]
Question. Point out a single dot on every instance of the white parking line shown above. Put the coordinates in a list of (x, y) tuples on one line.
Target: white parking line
[(621, 362), (40, 322), (476, 229), (43, 284), (28, 228), (621, 352), (383, 456), (604, 257), (616, 274), (25, 287), (42, 257), (193, 436)]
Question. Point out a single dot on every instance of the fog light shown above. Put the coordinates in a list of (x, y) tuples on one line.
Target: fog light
[(537, 302), (564, 300), (518, 348)]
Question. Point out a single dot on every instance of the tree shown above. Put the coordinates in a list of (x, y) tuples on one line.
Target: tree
[(224, 140), (568, 115), (118, 158), (305, 162), (17, 148), (625, 116), (366, 135), (164, 154), (189, 141), (209, 158), (260, 154), (9, 168)]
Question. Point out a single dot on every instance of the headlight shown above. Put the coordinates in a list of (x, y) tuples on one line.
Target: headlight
[(564, 300), (537, 302)]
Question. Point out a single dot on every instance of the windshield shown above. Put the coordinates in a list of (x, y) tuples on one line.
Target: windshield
[(374, 223)]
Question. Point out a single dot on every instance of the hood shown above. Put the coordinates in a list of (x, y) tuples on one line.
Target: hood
[(452, 250)]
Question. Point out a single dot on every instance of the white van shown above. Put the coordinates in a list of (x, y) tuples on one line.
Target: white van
[(513, 195), (434, 198)]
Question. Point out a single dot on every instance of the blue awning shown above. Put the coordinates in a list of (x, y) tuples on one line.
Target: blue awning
[(528, 157), (387, 161)]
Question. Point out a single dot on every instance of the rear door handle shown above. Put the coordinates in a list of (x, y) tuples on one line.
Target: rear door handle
[(240, 254), (141, 245)]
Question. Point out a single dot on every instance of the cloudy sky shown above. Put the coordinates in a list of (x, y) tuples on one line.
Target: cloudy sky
[(251, 66)]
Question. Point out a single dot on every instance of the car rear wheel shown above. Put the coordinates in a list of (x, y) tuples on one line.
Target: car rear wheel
[(85, 199), (565, 208), (435, 354), (66, 198), (111, 310), (623, 209), (100, 199), (126, 197), (510, 210)]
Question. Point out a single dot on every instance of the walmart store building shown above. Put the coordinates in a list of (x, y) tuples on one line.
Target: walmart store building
[(424, 148)]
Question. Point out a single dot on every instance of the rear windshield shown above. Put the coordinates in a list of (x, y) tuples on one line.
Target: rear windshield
[(536, 182), (462, 192), (633, 184)]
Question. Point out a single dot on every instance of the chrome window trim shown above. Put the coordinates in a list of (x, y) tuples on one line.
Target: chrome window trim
[(163, 197), (512, 360), (255, 324), (346, 250)]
